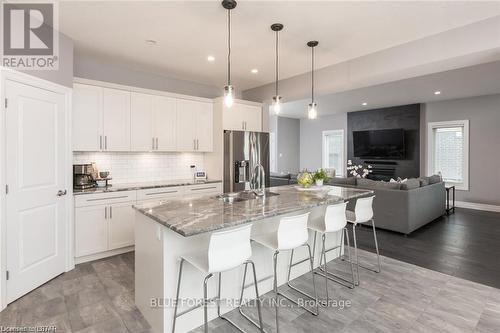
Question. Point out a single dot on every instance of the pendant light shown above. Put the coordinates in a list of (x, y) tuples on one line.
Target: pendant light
[(277, 27), (228, 89), (312, 110)]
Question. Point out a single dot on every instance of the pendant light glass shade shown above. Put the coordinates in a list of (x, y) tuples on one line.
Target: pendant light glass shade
[(277, 27), (228, 96), (229, 89), (276, 104), (312, 111)]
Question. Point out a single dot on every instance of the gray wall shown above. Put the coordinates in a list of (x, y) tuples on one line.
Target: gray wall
[(97, 69), (64, 74), (483, 113), (288, 144), (311, 136)]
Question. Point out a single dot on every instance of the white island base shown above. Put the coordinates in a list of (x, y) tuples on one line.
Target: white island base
[(157, 253)]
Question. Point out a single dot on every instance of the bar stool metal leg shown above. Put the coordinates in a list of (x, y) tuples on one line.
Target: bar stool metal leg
[(376, 246), (356, 253), (260, 326), (315, 297), (205, 301), (333, 277), (276, 298), (181, 264)]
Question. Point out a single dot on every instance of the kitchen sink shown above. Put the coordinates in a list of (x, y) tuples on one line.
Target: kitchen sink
[(244, 196)]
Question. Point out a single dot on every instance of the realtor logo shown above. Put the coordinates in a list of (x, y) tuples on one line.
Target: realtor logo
[(30, 38)]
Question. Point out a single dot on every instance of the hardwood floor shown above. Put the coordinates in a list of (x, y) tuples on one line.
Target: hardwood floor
[(465, 244)]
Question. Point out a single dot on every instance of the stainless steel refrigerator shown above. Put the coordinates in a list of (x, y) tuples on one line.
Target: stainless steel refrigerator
[(244, 153)]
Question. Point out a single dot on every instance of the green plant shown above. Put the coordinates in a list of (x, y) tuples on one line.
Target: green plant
[(320, 174)]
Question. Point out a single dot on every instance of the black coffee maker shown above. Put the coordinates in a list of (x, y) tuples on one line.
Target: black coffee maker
[(83, 176)]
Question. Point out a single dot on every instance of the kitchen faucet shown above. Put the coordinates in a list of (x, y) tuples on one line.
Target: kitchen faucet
[(253, 182)]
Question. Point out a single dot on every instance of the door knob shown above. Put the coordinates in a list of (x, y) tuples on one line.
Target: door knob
[(60, 193)]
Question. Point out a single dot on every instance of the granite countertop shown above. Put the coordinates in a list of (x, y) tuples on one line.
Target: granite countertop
[(191, 216), (144, 185)]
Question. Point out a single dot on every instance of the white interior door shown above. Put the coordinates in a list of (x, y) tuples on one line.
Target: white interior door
[(35, 172), (165, 123)]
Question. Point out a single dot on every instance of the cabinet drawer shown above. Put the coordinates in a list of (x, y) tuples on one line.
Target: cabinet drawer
[(205, 189), (160, 193), (83, 200)]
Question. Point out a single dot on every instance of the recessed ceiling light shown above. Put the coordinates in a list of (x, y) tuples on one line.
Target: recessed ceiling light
[(151, 42), (211, 58), (254, 71), (437, 93), (364, 104)]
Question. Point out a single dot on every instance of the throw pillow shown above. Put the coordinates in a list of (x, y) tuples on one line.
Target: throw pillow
[(424, 181), (410, 184), (434, 179)]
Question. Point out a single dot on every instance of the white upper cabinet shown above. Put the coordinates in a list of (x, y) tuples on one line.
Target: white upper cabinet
[(116, 119), (186, 140), (106, 119), (165, 123), (204, 126), (242, 117), (141, 115), (194, 126), (87, 118)]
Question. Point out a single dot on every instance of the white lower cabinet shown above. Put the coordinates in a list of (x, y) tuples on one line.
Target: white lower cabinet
[(104, 222), (120, 226), (91, 230)]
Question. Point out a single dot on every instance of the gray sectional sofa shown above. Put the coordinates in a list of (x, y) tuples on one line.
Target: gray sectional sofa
[(402, 207)]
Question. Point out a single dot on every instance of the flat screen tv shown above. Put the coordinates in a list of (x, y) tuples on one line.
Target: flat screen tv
[(386, 144)]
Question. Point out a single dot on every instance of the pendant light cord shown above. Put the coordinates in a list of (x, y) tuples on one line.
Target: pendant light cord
[(229, 47), (277, 63), (312, 75)]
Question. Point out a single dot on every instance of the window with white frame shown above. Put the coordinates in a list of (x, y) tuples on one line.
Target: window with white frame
[(333, 151), (448, 152)]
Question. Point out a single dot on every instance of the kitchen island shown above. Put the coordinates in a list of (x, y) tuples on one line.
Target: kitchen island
[(163, 233)]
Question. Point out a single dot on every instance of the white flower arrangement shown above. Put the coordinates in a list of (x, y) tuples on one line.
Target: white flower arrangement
[(358, 171)]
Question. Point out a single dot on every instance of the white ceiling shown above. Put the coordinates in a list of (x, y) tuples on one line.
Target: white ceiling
[(188, 31), (459, 83)]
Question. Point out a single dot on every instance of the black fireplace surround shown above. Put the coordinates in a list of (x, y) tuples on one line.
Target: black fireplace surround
[(406, 117)]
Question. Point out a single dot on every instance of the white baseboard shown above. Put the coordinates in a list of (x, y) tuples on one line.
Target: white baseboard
[(79, 260), (477, 206)]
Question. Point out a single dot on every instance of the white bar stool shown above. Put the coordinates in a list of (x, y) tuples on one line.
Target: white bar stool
[(292, 234), (333, 222), (227, 250), (363, 213)]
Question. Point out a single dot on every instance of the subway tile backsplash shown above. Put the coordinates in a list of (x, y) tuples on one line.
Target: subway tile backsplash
[(142, 167)]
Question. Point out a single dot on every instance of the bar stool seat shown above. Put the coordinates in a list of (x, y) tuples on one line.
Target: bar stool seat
[(363, 213), (333, 222), (269, 240), (292, 233), (227, 250)]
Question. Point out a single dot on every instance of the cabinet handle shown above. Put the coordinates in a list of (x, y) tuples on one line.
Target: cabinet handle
[(100, 142), (106, 142), (164, 192), (156, 143), (153, 143), (245, 125), (194, 144), (108, 198), (242, 125), (110, 212), (203, 188), (105, 213), (197, 144)]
